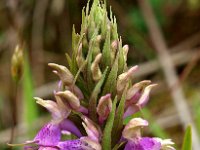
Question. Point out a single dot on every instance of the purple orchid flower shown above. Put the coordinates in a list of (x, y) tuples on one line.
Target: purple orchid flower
[(49, 138), (135, 141), (137, 99)]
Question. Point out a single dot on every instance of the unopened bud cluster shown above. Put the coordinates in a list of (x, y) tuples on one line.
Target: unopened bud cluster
[(17, 63)]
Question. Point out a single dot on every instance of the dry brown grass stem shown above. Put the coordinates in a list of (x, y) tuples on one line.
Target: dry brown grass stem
[(168, 69)]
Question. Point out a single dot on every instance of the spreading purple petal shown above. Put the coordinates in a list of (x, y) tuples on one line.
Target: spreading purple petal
[(145, 143), (49, 135)]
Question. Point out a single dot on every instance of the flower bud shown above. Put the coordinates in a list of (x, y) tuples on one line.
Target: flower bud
[(64, 74), (114, 47), (132, 129), (124, 78), (96, 72), (135, 91), (75, 89), (79, 58), (125, 50), (70, 99), (17, 63), (104, 107)]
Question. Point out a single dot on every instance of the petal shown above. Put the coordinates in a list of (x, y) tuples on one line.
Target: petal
[(94, 145), (64, 74), (95, 69), (145, 143), (59, 110), (68, 125), (124, 77), (166, 144), (150, 144), (135, 91), (47, 148), (131, 110), (73, 145), (145, 96), (50, 105), (30, 147), (132, 129), (49, 135), (104, 107), (75, 89), (91, 129), (71, 99)]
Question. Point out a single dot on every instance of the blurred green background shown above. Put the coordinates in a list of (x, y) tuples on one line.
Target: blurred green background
[(45, 27)]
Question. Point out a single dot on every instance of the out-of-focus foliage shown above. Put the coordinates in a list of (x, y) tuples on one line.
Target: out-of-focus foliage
[(187, 143), (30, 113)]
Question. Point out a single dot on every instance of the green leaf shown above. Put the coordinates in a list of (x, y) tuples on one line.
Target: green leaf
[(110, 85), (106, 53), (75, 43), (106, 140), (114, 35), (30, 108), (187, 142), (94, 96), (121, 61), (88, 77), (118, 123), (69, 60), (118, 145)]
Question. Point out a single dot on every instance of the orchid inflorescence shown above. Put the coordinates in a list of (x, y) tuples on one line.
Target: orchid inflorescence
[(96, 90)]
